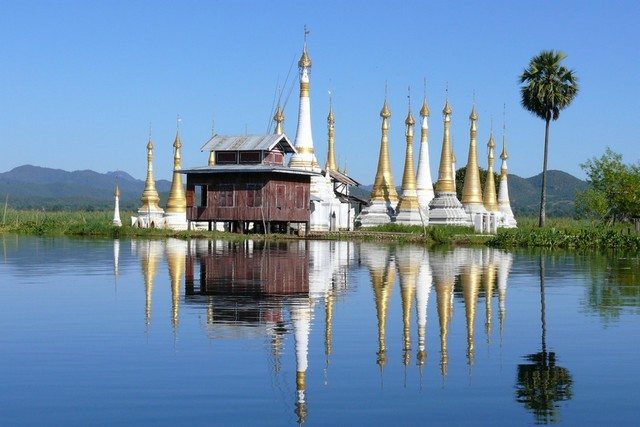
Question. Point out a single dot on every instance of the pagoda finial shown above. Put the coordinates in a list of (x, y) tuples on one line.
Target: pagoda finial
[(305, 61), (331, 155), (278, 117)]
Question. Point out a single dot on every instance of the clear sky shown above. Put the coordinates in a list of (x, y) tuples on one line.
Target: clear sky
[(81, 81)]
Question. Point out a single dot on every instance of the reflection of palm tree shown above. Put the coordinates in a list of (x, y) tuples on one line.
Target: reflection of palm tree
[(542, 383)]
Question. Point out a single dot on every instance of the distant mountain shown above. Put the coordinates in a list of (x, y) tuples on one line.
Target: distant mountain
[(34, 187), (524, 193), (561, 192)]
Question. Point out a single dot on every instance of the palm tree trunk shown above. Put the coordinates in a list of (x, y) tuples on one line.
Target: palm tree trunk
[(543, 197)]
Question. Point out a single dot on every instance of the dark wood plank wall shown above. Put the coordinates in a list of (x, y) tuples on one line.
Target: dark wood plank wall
[(269, 269), (284, 197)]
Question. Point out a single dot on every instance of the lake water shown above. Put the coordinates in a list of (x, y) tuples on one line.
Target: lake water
[(101, 332)]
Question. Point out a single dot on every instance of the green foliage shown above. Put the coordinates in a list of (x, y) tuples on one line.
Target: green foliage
[(613, 192), (567, 233), (547, 85)]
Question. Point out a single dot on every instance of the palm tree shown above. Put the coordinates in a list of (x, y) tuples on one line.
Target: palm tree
[(547, 87)]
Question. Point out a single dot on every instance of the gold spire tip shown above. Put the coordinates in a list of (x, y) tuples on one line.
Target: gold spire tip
[(447, 108), (474, 114), (385, 112), (424, 111)]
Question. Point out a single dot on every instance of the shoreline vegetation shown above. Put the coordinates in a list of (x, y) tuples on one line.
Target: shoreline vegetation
[(562, 233)]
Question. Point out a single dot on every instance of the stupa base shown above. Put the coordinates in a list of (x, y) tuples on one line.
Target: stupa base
[(377, 213), (446, 209)]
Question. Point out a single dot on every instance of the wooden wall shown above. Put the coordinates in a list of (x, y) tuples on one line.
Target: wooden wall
[(284, 197)]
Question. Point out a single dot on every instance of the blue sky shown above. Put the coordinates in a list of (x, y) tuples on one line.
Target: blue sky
[(81, 81)]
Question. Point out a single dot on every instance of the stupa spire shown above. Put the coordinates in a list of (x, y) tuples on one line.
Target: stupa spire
[(445, 208), (177, 202), (305, 157), (408, 210), (116, 209), (383, 186), (331, 155), (424, 185), (490, 200), (384, 197), (472, 191), (445, 173), (150, 196), (508, 220)]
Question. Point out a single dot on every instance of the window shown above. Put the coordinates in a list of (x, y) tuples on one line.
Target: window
[(254, 195), (250, 157), (225, 195), (300, 197), (201, 195), (226, 157), (281, 192)]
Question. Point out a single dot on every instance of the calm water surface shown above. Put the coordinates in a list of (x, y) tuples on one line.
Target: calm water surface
[(96, 332)]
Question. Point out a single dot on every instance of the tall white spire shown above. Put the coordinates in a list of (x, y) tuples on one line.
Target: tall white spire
[(424, 185), (116, 210), (305, 157), (508, 220)]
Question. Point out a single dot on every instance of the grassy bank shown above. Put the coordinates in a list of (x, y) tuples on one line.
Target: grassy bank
[(568, 234), (559, 233), (94, 224)]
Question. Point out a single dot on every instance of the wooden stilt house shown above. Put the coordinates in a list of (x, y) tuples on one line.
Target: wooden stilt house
[(249, 188)]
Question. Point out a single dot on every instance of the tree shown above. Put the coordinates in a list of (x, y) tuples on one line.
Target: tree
[(547, 87), (613, 192)]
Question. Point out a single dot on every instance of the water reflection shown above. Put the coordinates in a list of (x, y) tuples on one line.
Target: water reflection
[(271, 289), (541, 384)]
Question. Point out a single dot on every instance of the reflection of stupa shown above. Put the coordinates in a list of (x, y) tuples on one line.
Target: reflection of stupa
[(488, 282), (176, 251), (409, 261), (504, 265), (423, 288), (150, 252), (301, 313), (470, 280), (382, 272), (443, 280)]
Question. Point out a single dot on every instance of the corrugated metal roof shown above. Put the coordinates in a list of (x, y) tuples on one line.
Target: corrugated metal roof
[(264, 142), (339, 176), (248, 168)]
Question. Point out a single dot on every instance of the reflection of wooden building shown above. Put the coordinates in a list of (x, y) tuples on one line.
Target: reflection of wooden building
[(249, 185), (251, 268)]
